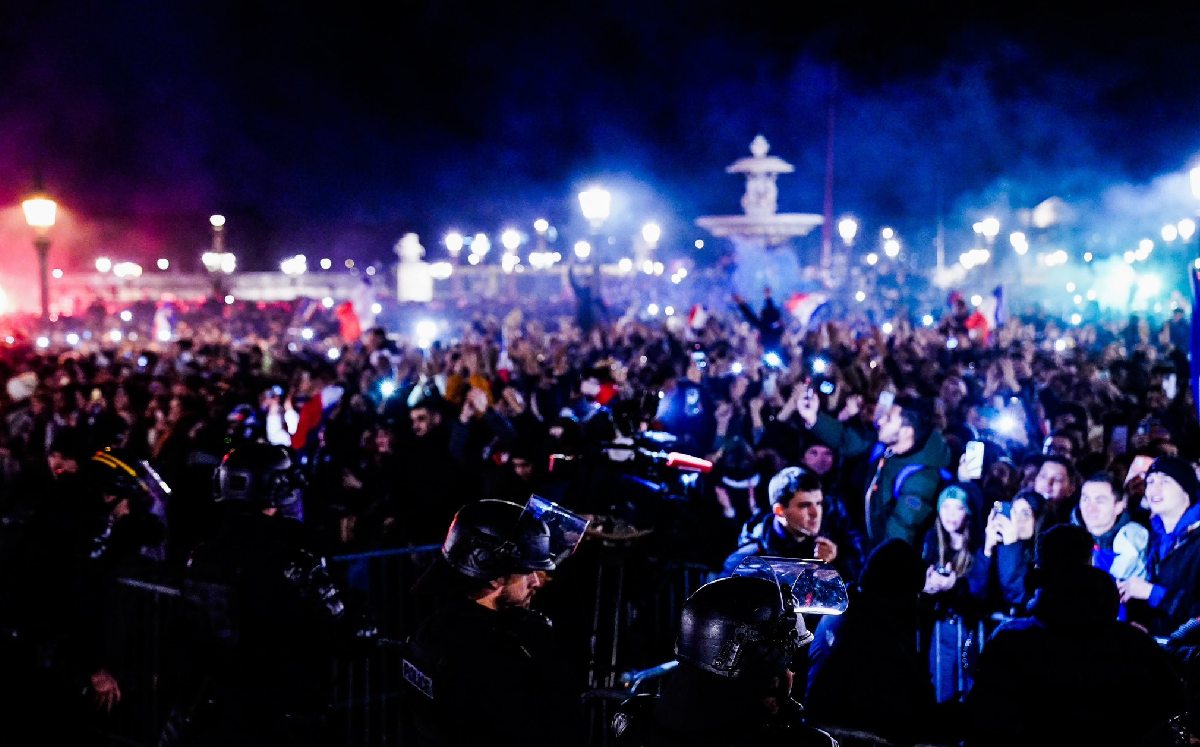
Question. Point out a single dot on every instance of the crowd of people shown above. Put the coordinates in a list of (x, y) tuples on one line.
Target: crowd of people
[(1012, 508)]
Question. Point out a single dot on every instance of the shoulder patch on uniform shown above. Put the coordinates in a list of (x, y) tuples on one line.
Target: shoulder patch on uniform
[(418, 679)]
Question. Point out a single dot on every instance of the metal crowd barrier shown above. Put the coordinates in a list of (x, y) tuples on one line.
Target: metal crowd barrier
[(369, 690)]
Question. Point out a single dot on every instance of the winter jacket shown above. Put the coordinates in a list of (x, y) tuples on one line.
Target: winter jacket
[(1122, 550), (1175, 573), (909, 514), (764, 535)]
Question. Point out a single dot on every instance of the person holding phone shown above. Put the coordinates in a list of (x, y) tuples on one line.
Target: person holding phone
[(998, 573), (905, 465), (948, 554)]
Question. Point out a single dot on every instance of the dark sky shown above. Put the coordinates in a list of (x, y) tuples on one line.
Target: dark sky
[(333, 131)]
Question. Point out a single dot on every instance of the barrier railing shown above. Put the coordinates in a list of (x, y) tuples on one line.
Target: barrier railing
[(369, 689)]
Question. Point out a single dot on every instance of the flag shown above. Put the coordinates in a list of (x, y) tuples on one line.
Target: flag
[(363, 298), (1193, 368), (806, 306), (313, 415), (350, 327), (1001, 312), (697, 317), (977, 327)]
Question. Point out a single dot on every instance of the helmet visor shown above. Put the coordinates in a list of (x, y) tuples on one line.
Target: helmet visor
[(817, 588), (566, 527)]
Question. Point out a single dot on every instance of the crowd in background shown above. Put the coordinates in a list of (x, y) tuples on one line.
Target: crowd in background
[(831, 441)]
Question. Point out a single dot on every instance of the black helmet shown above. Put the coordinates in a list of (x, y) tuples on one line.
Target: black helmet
[(259, 474), (116, 472), (489, 539), (740, 627), (242, 424)]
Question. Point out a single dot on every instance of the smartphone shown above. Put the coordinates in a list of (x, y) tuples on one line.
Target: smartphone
[(769, 385), (973, 459), (1170, 385), (828, 387), (1120, 439), (1141, 463), (887, 398)]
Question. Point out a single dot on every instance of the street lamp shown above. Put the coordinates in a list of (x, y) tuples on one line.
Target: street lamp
[(595, 202), (216, 260), (40, 212), (847, 229)]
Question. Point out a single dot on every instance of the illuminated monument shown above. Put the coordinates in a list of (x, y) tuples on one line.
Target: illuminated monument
[(760, 235)]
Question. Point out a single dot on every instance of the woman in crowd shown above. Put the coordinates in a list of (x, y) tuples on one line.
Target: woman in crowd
[(951, 631)]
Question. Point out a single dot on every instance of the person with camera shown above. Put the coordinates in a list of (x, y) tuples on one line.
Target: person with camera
[(738, 637), (485, 657), (266, 619)]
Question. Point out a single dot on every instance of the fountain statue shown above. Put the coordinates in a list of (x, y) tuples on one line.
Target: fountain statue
[(760, 235)]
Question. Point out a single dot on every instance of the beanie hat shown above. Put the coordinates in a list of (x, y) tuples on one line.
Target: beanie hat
[(1179, 471), (954, 493)]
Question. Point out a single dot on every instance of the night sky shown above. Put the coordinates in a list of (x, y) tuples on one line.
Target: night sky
[(334, 131)]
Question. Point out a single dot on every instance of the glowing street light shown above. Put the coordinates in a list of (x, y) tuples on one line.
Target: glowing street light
[(103, 264), (583, 250), (40, 213), (595, 203), (481, 245), (651, 233), (1019, 242), (164, 264), (847, 229), (454, 244), (510, 239)]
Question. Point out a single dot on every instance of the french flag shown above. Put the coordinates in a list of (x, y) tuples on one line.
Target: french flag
[(806, 306), (313, 416)]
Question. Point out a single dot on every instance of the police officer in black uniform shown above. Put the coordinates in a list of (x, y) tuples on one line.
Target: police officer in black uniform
[(268, 620), (732, 685), (485, 668)]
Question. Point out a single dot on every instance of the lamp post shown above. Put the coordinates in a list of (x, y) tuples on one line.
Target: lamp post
[(217, 261), (595, 203), (40, 212)]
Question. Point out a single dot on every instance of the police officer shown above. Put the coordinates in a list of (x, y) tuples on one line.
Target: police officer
[(268, 618), (484, 668), (62, 623), (732, 686)]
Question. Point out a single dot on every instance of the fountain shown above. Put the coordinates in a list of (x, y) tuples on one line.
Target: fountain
[(760, 233)]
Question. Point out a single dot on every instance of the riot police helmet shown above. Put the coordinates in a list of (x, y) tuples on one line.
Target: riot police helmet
[(258, 474), (741, 627), (489, 539), (119, 473)]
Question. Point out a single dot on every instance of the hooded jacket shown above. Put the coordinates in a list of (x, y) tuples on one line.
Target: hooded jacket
[(1121, 551), (1175, 572), (909, 514)]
